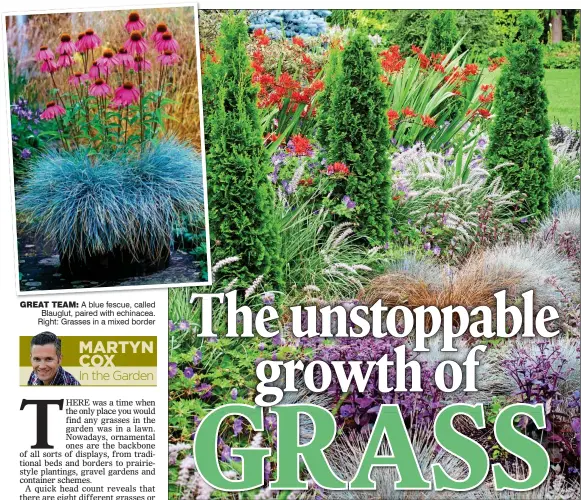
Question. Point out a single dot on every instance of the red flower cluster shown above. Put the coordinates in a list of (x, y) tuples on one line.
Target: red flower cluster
[(483, 112), (496, 62), (428, 121), (471, 70), (299, 145), (205, 52), (391, 60), (460, 75), (487, 93), (261, 37), (338, 168), (392, 116), (273, 91), (297, 40), (257, 61), (271, 137), (435, 60)]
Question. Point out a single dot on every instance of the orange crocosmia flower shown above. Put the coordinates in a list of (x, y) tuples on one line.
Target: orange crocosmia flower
[(438, 67), (484, 113), (496, 63), (307, 60), (301, 145), (485, 98), (297, 40), (424, 60), (407, 111), (437, 57), (392, 116), (428, 121), (471, 69), (258, 56), (286, 81), (391, 60)]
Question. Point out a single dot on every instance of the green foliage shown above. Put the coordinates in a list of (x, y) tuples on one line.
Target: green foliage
[(443, 32), (327, 259), (240, 197), (359, 136), (190, 235), (450, 102), (506, 24), (16, 80), (30, 136), (324, 114), (521, 127), (563, 55), (477, 27), (411, 28), (368, 21)]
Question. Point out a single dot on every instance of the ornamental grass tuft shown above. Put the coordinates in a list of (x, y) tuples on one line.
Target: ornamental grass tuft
[(87, 205)]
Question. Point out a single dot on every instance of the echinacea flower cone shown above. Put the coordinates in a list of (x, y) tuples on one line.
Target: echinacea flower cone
[(99, 88), (134, 23), (52, 111), (126, 94), (67, 46), (136, 43), (44, 54)]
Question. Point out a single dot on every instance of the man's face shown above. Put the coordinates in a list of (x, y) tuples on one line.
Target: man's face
[(45, 362)]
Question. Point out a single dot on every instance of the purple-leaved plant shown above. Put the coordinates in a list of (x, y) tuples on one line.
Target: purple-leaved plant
[(361, 408), (537, 375)]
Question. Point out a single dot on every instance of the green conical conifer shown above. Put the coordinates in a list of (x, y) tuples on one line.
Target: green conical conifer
[(324, 116), (443, 32), (358, 137), (521, 126), (240, 196)]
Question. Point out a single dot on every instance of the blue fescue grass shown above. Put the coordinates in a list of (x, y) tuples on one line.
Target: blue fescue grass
[(93, 205)]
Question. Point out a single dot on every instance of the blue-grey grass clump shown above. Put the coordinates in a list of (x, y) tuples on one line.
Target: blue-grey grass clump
[(88, 205)]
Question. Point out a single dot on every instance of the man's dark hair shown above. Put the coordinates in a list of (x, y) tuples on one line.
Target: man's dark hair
[(46, 338)]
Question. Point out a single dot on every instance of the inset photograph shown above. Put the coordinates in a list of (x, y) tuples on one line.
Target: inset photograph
[(49, 359), (108, 165)]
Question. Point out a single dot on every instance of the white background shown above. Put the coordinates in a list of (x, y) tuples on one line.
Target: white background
[(18, 427)]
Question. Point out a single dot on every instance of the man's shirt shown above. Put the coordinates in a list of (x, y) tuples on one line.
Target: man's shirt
[(62, 378)]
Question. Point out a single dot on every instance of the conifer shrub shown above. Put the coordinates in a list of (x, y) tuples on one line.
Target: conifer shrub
[(358, 137), (324, 116), (443, 32), (521, 126), (241, 198)]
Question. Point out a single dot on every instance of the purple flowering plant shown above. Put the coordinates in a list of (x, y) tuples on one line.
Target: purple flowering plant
[(30, 134)]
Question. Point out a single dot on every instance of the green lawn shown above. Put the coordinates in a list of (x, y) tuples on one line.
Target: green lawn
[(563, 91)]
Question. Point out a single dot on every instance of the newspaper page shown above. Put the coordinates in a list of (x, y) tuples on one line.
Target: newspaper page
[(103, 209), (352, 233)]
